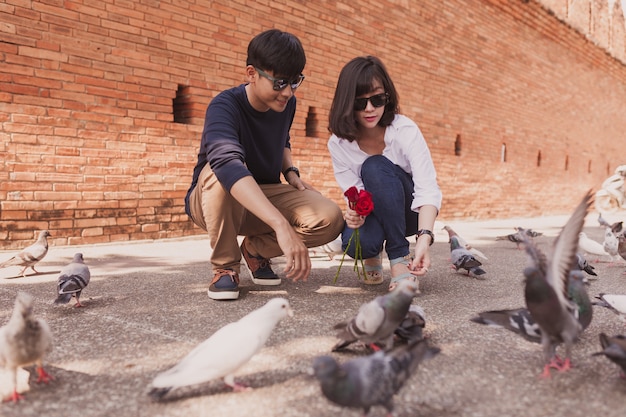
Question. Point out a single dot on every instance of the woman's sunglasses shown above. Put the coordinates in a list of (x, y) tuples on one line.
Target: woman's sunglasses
[(378, 100), (281, 84)]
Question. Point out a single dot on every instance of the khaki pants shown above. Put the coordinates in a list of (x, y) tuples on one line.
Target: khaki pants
[(315, 218)]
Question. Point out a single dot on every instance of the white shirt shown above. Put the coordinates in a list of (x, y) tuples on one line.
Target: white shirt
[(405, 146)]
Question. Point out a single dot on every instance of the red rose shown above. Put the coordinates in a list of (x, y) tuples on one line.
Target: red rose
[(352, 194), (364, 204)]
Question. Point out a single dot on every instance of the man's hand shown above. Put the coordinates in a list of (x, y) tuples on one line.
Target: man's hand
[(298, 265)]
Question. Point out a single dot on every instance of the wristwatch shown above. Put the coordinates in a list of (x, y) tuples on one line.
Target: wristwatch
[(290, 169), (426, 232)]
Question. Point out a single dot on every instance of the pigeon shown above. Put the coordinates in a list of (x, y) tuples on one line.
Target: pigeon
[(72, 281), (621, 246), (546, 294), (590, 246), (224, 352), (614, 302), (367, 381), (517, 320), (615, 227), (331, 249), (517, 238), (24, 340), (464, 243), (583, 265), (463, 259), (411, 328), (520, 321), (611, 244), (529, 232), (29, 256), (614, 348), (378, 319)]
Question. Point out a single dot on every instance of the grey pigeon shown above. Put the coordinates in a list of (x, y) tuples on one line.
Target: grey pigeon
[(377, 320), (371, 380), (72, 281), (227, 350), (529, 232), (520, 321), (517, 238), (545, 290), (614, 302), (411, 328), (614, 348), (30, 255), (616, 227), (24, 340), (583, 265), (464, 243), (463, 259)]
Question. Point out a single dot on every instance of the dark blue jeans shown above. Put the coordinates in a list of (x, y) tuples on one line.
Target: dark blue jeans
[(392, 219)]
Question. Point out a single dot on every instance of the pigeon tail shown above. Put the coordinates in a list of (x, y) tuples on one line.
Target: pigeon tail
[(63, 298)]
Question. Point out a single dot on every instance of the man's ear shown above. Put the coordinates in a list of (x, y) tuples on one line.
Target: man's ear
[(251, 74)]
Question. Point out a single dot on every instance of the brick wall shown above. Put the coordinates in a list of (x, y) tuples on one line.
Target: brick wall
[(95, 150)]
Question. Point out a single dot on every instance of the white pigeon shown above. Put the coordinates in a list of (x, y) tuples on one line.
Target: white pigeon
[(72, 281), (24, 340), (30, 255), (464, 243), (227, 350), (611, 244), (590, 246), (331, 249)]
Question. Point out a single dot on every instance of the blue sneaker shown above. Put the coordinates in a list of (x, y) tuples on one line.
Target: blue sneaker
[(225, 285), (260, 269)]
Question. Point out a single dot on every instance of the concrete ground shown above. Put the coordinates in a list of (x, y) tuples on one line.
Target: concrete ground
[(146, 307)]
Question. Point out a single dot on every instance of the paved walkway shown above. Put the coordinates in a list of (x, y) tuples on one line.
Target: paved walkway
[(146, 307)]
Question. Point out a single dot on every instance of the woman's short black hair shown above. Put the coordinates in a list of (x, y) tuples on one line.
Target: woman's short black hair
[(355, 79), (277, 51)]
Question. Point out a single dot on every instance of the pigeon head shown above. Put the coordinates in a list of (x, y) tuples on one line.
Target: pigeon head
[(280, 307), (23, 304), (78, 258), (324, 367)]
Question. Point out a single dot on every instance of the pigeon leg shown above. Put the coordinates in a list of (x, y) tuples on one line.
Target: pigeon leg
[(15, 397), (230, 381), (555, 363), (43, 376), (374, 347), (23, 272), (566, 365)]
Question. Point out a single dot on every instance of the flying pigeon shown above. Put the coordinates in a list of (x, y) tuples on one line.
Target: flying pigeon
[(614, 348), (227, 350), (517, 238), (545, 290), (367, 381), (463, 259), (24, 340), (520, 321), (378, 319), (72, 281), (590, 246), (614, 302), (464, 243), (30, 255), (331, 249)]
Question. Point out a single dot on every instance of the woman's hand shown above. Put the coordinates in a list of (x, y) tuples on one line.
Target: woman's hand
[(421, 261), (353, 220)]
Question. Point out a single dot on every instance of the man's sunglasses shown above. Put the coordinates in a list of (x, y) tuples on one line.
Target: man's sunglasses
[(378, 100), (281, 84)]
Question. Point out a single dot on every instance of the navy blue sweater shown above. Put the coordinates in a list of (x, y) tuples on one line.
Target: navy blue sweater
[(238, 140)]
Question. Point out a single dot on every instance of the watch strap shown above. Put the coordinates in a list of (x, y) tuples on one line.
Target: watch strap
[(426, 232)]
